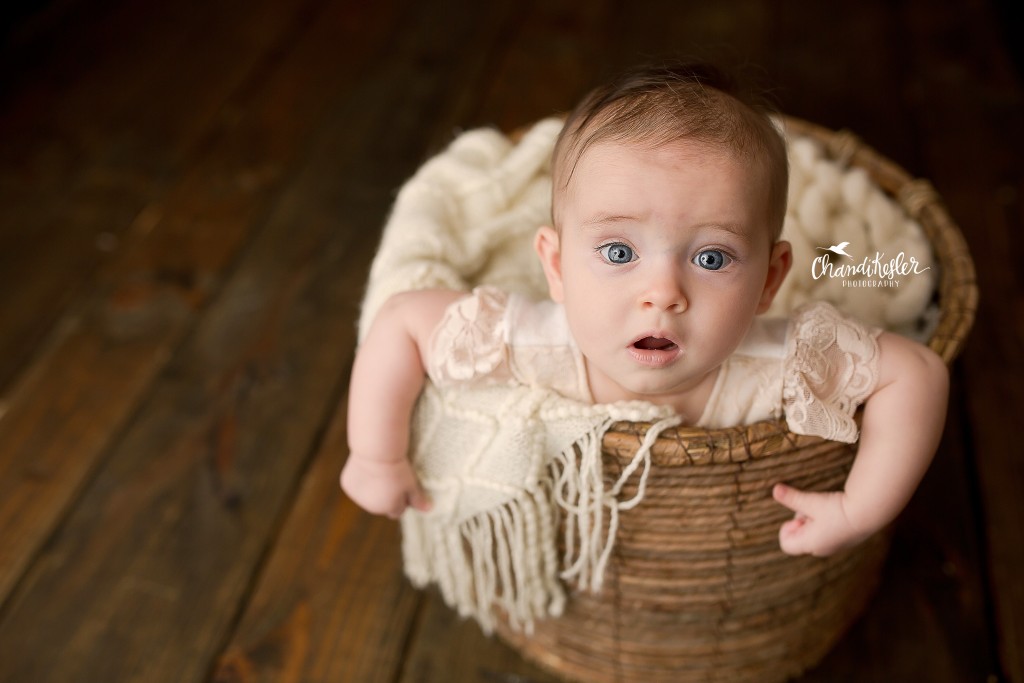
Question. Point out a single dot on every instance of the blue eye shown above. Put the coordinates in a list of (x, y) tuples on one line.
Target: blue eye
[(617, 253), (711, 259)]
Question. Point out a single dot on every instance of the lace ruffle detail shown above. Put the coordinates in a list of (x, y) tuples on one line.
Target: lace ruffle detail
[(469, 342), (831, 368)]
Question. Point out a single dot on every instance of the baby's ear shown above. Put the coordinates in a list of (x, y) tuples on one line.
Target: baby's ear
[(779, 263), (548, 247)]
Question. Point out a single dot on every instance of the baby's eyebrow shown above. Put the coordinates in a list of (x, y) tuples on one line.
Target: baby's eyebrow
[(730, 228), (601, 219)]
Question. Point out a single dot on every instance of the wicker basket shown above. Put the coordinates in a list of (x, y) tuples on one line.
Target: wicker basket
[(697, 589)]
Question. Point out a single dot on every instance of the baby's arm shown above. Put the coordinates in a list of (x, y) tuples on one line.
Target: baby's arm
[(387, 378), (903, 421)]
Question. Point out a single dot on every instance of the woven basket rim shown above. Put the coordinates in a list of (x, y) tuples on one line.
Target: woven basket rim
[(957, 301)]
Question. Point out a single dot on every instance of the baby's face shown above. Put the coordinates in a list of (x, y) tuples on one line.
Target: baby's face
[(663, 259)]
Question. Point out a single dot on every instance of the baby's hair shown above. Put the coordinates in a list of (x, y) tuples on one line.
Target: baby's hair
[(662, 104)]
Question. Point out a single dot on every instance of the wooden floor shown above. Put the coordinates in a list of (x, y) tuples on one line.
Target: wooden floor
[(190, 195)]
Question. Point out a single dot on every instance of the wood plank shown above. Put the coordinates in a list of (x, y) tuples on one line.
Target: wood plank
[(356, 634), (971, 112), (545, 65), (332, 603), (168, 535), (75, 400), (449, 649), (664, 30), (97, 131), (816, 79)]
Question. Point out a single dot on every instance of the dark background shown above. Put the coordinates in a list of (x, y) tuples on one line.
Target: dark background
[(190, 196)]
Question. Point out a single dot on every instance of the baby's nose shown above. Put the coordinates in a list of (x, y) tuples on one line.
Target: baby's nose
[(665, 293)]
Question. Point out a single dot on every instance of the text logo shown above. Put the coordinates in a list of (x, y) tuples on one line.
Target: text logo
[(872, 271)]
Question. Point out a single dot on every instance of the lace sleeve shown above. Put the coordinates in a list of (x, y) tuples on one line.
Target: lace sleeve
[(470, 342), (831, 367)]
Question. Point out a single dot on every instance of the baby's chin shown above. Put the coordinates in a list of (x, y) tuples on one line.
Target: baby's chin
[(654, 391), (661, 387)]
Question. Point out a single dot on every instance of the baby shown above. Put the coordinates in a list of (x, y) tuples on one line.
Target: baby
[(669, 193)]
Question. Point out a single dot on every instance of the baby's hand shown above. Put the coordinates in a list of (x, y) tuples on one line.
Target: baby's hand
[(383, 487), (822, 525)]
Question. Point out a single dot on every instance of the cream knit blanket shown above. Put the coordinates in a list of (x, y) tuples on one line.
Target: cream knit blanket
[(506, 465)]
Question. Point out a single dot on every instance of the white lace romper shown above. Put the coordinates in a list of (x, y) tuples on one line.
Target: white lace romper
[(815, 367)]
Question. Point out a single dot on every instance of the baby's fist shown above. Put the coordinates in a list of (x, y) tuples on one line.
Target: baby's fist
[(821, 525), (383, 487)]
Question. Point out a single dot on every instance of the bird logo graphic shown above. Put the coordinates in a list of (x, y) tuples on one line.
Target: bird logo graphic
[(838, 249)]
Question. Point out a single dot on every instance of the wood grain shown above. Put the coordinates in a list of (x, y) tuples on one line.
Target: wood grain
[(112, 117), (971, 115), (358, 613), (332, 603), (102, 358)]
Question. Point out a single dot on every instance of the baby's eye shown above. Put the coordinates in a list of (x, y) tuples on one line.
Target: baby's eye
[(711, 259), (617, 253)]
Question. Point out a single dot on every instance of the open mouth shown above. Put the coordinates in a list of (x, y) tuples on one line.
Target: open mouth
[(654, 344), (655, 352)]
